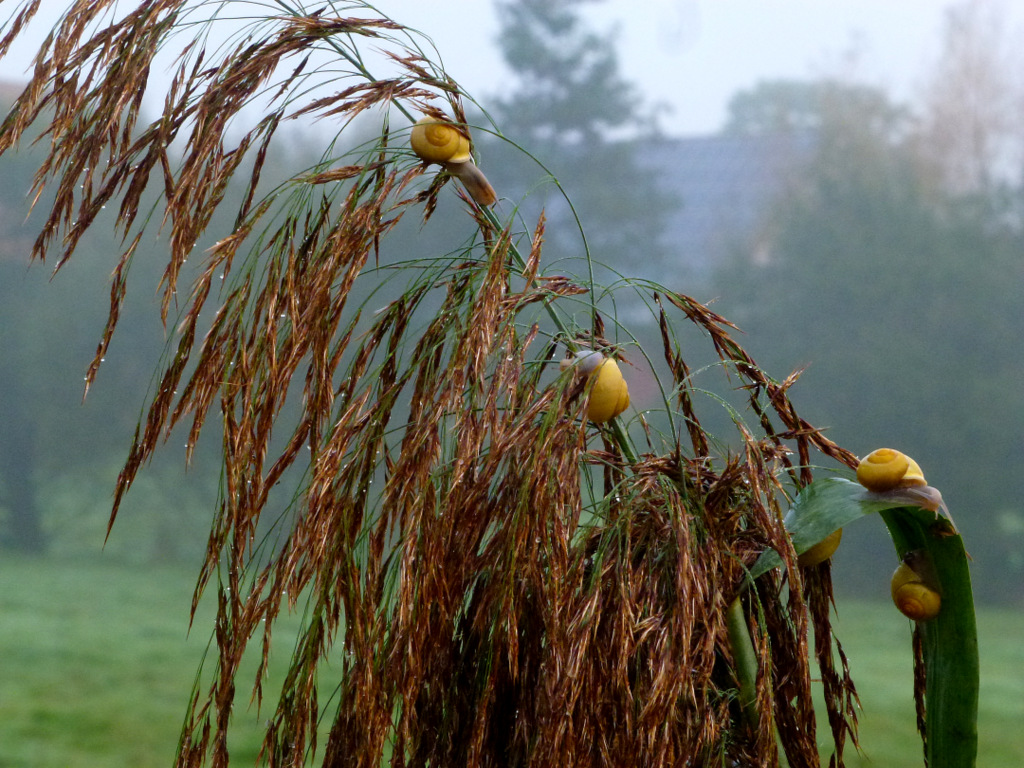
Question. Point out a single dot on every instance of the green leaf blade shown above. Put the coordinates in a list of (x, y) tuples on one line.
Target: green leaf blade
[(949, 641)]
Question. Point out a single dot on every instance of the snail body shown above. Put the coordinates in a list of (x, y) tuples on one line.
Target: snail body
[(435, 141), (914, 598), (896, 476), (609, 394)]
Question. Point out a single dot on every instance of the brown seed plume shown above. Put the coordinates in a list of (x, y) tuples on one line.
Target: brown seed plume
[(485, 579)]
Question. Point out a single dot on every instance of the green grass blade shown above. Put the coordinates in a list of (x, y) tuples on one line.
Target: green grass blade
[(745, 661), (949, 641)]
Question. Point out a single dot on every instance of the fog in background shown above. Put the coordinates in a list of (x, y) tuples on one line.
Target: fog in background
[(689, 55), (727, 174), (842, 179)]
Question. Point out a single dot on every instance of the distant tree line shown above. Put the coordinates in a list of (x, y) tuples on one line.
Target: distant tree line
[(893, 272), (897, 283)]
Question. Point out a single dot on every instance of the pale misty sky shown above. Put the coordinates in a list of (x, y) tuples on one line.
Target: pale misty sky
[(691, 55), (694, 54)]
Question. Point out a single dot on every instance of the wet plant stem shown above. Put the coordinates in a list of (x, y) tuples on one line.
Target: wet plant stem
[(619, 435), (745, 661)]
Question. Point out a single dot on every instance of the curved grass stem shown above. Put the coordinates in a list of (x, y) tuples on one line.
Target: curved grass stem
[(745, 661)]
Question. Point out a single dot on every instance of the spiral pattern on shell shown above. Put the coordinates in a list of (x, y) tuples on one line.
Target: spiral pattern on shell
[(884, 469), (914, 599), (438, 142)]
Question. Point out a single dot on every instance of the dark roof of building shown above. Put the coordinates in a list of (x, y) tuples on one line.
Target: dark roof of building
[(724, 186)]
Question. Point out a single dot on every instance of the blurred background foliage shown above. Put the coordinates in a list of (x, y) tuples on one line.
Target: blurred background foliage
[(887, 244), (876, 243)]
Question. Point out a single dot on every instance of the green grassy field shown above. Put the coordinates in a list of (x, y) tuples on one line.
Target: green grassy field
[(96, 668), (97, 664), (877, 641)]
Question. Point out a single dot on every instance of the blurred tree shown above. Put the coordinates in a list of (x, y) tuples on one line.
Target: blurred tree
[(777, 106), (20, 526), (48, 334), (572, 107), (570, 90), (973, 102), (904, 301)]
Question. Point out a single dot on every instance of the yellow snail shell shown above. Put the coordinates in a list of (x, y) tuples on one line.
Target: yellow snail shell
[(609, 394), (436, 142), (915, 599), (885, 469), (821, 551)]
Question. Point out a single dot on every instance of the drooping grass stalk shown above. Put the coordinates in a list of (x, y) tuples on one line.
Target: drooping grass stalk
[(480, 583), (948, 642), (946, 645), (619, 435)]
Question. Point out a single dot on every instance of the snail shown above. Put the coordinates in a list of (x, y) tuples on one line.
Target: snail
[(435, 141), (885, 469), (609, 395), (821, 551), (916, 596), (896, 476)]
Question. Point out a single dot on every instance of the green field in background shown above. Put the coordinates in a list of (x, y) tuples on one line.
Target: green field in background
[(96, 667)]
